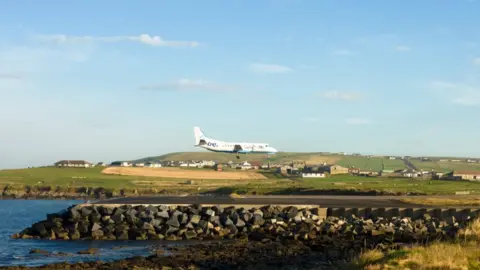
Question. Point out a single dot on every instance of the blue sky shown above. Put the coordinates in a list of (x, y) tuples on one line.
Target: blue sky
[(107, 80)]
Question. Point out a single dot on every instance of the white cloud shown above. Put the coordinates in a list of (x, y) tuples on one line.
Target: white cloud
[(402, 48), (443, 85), (476, 61), (458, 93), (467, 101), (343, 52), (358, 121), (340, 95), (143, 38), (269, 68), (188, 85)]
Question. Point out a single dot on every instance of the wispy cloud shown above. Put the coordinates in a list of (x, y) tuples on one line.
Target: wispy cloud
[(476, 61), (10, 76), (467, 101), (307, 67), (269, 68), (458, 93), (143, 38), (402, 48), (358, 121), (189, 85), (444, 85), (311, 119), (343, 52), (340, 95)]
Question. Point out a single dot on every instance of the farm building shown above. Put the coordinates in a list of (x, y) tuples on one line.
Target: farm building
[(313, 175), (245, 166), (353, 170), (410, 173), (74, 164), (121, 163), (368, 173), (333, 169), (466, 175), (218, 167), (153, 165), (387, 172), (256, 164)]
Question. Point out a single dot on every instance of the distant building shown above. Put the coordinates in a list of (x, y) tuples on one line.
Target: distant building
[(466, 175), (410, 173), (313, 175), (139, 165), (353, 170), (218, 167), (246, 166), (387, 172), (121, 164), (256, 164), (368, 173), (333, 169), (73, 164), (153, 165)]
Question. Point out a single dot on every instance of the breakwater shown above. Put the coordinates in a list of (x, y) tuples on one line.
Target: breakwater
[(216, 222)]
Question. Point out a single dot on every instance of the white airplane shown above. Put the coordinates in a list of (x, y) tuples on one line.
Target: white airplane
[(230, 147)]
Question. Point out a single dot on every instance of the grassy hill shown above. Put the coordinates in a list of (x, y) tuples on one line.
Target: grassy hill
[(316, 158), (313, 158)]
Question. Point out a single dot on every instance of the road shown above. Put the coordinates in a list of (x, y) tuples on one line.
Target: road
[(409, 165), (322, 201)]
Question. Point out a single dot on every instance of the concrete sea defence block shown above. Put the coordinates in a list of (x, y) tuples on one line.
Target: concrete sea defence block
[(256, 222)]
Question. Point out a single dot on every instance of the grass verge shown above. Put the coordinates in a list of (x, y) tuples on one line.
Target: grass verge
[(463, 253), (444, 201), (78, 180)]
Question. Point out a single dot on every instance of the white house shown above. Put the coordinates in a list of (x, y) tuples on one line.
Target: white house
[(245, 166), (313, 175), (153, 165)]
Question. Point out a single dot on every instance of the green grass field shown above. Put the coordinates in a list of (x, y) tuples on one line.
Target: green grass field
[(275, 184), (393, 164), (446, 166), (364, 163)]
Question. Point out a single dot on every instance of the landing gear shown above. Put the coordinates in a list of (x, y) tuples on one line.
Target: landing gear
[(238, 157)]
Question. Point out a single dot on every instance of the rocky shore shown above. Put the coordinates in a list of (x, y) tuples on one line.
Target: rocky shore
[(239, 254), (99, 193), (267, 237)]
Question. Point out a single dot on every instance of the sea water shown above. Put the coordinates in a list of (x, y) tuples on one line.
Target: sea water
[(16, 215)]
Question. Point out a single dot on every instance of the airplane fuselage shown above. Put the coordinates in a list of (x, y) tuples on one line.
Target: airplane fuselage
[(235, 147), (231, 147)]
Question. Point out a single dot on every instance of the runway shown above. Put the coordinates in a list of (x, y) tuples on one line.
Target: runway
[(331, 201)]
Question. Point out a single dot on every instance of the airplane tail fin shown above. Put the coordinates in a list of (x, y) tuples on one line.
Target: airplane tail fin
[(199, 136)]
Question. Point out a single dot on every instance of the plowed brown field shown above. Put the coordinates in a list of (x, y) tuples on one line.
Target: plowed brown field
[(182, 173)]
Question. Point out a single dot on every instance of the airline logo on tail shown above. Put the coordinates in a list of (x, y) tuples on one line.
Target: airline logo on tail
[(199, 135)]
